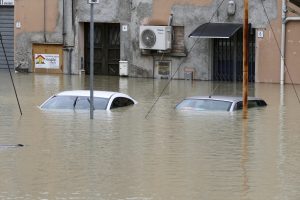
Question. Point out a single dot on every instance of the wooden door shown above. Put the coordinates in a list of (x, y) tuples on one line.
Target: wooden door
[(106, 48)]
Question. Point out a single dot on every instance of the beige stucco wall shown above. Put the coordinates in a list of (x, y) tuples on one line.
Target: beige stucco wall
[(268, 54), (293, 48), (31, 15), (268, 50), (293, 53), (162, 9)]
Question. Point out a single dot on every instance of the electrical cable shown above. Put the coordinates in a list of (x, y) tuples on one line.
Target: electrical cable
[(12, 80), (188, 52), (277, 44)]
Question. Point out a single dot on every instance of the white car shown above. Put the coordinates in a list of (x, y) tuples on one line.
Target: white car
[(218, 103), (80, 100)]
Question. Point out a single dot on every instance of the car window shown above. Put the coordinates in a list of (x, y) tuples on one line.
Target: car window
[(251, 104), (238, 105), (60, 102), (84, 103), (261, 103), (205, 104), (100, 103), (121, 102)]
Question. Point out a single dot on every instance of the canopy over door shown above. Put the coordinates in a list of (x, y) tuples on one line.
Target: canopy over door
[(215, 30)]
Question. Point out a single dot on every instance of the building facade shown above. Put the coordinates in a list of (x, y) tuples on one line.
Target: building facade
[(58, 30)]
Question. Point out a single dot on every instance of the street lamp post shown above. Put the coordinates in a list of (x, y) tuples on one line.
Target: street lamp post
[(92, 2)]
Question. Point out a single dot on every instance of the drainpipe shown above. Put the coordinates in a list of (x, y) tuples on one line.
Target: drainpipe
[(285, 20), (68, 34), (45, 37), (283, 27)]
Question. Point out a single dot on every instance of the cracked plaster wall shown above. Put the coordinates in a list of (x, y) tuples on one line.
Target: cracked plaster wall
[(133, 13)]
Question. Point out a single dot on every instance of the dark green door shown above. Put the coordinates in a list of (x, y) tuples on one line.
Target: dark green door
[(228, 57), (106, 48)]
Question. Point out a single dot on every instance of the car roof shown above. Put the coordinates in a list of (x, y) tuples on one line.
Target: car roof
[(103, 94), (223, 98)]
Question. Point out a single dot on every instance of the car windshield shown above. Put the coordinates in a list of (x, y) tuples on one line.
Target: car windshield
[(74, 102), (205, 105)]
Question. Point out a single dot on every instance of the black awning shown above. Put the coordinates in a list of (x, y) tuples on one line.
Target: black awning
[(215, 30)]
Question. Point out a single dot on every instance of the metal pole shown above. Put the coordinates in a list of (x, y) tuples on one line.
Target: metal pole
[(245, 57), (92, 63)]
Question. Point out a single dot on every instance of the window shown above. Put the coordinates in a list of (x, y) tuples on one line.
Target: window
[(121, 102), (60, 102), (251, 104), (84, 103), (178, 39), (205, 104)]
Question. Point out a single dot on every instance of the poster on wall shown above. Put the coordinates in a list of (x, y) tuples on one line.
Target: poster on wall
[(46, 61), (7, 2)]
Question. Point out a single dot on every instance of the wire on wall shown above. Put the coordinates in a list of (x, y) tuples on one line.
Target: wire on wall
[(180, 64)]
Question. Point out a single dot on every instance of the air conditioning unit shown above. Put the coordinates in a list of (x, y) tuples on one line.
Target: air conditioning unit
[(155, 37)]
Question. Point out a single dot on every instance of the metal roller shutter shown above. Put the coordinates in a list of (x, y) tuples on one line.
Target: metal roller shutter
[(7, 32)]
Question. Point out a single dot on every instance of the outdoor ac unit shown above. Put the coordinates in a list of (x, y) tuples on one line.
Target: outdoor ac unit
[(155, 37)]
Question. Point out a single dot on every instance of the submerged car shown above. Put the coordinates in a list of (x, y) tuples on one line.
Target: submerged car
[(80, 100), (218, 103)]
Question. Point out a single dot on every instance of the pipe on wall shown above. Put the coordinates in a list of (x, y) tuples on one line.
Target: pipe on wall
[(285, 20), (45, 38), (63, 22), (68, 33)]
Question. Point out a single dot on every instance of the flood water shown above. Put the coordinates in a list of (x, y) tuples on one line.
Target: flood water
[(136, 153)]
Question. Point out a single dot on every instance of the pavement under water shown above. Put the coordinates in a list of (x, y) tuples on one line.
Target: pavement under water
[(122, 154)]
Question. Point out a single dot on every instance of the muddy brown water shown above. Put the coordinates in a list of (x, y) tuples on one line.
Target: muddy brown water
[(121, 155)]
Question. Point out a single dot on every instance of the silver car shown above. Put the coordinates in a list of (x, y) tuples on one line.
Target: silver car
[(218, 103), (80, 100)]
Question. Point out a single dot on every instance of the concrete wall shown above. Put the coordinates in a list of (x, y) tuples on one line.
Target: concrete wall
[(191, 14), (107, 11), (41, 22), (38, 26)]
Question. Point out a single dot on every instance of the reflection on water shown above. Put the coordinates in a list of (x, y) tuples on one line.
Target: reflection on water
[(170, 155)]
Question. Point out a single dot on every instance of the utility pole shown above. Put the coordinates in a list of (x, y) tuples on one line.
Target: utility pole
[(92, 2), (245, 57)]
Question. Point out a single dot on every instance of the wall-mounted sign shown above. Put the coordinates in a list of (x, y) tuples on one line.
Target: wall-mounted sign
[(47, 61), (18, 24), (7, 2), (124, 28), (260, 34)]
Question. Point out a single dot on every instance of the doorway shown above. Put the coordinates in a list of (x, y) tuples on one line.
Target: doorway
[(106, 48), (228, 57)]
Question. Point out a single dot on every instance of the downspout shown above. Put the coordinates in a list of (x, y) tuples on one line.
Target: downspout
[(285, 20), (283, 29), (45, 38), (68, 36), (63, 23)]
